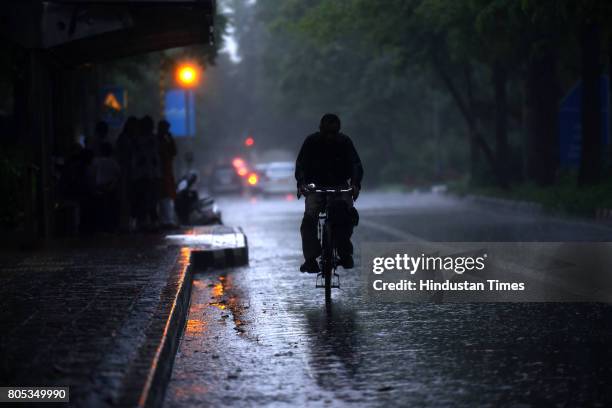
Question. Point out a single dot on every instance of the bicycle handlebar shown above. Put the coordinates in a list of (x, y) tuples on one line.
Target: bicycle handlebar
[(312, 188)]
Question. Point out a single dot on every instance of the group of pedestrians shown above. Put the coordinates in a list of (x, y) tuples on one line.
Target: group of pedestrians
[(146, 159), (127, 185)]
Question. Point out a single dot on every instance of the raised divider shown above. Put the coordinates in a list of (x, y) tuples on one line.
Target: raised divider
[(214, 246)]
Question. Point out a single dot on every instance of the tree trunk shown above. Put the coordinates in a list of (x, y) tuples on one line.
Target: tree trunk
[(591, 157), (476, 138), (500, 78), (542, 98), (609, 101), (475, 168)]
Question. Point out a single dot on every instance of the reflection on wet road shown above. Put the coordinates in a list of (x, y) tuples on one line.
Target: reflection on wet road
[(262, 335)]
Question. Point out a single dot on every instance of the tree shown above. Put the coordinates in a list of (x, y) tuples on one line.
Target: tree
[(590, 17), (592, 151), (340, 41), (498, 61)]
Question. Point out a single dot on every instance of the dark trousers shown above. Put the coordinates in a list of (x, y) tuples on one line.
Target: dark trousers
[(342, 224), (143, 200)]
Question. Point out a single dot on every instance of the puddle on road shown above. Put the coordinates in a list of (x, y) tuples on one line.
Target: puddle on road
[(228, 299), (222, 362), (194, 327)]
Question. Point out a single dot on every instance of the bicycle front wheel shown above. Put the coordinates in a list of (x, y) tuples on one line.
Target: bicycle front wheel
[(328, 257)]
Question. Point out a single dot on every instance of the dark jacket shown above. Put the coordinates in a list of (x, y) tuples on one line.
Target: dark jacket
[(167, 152), (328, 161)]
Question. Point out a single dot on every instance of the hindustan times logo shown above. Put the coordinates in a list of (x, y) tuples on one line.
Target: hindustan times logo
[(412, 264)]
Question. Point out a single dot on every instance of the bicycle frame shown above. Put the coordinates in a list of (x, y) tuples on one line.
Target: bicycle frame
[(328, 262)]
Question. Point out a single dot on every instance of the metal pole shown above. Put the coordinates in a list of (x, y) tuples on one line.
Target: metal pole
[(188, 111)]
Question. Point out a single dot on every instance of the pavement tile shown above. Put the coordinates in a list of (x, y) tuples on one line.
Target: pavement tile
[(74, 315)]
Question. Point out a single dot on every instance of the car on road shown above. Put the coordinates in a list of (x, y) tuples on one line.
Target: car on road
[(277, 177), (224, 179)]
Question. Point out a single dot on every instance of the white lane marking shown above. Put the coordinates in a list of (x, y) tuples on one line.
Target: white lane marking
[(392, 231)]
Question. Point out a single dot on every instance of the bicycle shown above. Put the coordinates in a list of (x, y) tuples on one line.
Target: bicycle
[(329, 260)]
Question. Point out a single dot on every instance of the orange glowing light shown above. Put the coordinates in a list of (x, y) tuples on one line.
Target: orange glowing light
[(218, 305), (242, 171), (249, 141), (253, 179), (194, 327), (110, 101), (218, 290), (238, 162), (187, 75)]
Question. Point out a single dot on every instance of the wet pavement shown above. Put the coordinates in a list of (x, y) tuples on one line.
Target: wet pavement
[(85, 314), (262, 335)]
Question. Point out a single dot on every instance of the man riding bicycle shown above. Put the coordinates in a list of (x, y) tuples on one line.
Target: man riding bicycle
[(328, 158)]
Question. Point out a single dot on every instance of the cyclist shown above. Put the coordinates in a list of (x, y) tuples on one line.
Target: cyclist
[(328, 158)]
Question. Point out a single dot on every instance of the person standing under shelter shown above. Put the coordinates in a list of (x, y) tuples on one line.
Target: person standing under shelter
[(124, 151), (105, 176), (167, 153), (144, 175), (100, 137)]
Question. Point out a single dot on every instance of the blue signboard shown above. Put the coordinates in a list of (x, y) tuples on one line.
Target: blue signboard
[(113, 103), (570, 125), (180, 112)]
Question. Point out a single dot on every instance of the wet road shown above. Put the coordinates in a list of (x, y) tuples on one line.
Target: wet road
[(262, 335)]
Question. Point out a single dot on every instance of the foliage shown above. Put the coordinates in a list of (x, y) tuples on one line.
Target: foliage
[(379, 63), (350, 57), (562, 198)]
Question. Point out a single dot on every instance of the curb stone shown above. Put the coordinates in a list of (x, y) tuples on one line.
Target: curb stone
[(602, 216), (229, 248)]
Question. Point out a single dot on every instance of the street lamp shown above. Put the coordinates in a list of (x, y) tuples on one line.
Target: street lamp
[(187, 75)]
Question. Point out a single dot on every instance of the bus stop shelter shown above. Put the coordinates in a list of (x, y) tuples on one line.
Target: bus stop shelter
[(57, 45)]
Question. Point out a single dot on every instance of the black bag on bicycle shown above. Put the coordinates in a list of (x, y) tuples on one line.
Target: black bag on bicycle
[(339, 213)]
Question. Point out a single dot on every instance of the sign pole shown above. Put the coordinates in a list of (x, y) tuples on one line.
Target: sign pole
[(188, 112)]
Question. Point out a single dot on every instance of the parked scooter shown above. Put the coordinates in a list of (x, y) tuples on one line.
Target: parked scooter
[(190, 209)]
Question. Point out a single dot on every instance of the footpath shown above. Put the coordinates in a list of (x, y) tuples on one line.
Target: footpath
[(104, 315)]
